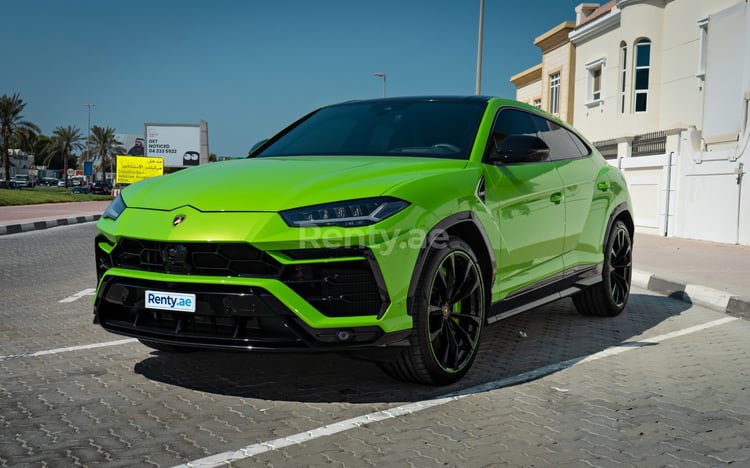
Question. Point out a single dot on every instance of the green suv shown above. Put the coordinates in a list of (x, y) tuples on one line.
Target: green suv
[(390, 229)]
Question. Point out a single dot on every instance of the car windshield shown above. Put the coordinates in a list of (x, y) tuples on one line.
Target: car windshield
[(399, 127)]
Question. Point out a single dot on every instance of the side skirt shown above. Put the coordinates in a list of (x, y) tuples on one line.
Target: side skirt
[(566, 284)]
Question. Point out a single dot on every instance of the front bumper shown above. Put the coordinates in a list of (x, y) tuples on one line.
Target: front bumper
[(226, 317), (246, 299)]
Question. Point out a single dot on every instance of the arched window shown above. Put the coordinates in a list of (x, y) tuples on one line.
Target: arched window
[(642, 67), (622, 91)]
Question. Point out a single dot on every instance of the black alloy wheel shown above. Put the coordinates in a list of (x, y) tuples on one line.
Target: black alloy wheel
[(609, 297), (448, 314), (620, 267)]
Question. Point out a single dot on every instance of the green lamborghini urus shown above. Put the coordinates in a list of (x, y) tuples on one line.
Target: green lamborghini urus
[(390, 229)]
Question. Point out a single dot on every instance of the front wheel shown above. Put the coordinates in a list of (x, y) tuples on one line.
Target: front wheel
[(448, 311), (609, 297)]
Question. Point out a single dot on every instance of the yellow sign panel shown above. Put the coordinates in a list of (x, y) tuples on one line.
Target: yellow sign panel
[(131, 169)]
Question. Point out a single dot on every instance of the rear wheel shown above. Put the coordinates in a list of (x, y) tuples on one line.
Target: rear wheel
[(448, 312), (609, 297)]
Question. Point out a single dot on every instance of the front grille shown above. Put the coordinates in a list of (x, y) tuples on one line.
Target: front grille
[(319, 254), (207, 258), (226, 317), (337, 288)]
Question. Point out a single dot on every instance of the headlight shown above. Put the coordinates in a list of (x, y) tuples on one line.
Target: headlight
[(350, 213), (115, 209)]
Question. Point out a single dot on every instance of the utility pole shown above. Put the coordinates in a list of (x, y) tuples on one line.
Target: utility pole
[(479, 48), (88, 133)]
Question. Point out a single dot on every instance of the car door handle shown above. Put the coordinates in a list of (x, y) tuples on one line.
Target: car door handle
[(603, 186), (556, 198)]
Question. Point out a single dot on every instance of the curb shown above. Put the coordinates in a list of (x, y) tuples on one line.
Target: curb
[(711, 298), (36, 225)]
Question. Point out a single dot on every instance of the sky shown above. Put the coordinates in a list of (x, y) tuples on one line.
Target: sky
[(250, 67)]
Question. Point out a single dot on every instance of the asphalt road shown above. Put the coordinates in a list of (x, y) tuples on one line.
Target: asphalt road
[(664, 384)]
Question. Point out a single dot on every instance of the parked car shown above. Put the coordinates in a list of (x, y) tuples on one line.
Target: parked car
[(80, 189), (8, 183), (49, 181), (391, 229), (101, 188), (23, 180)]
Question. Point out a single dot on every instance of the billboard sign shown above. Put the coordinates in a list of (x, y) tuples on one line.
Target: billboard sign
[(131, 169), (178, 145)]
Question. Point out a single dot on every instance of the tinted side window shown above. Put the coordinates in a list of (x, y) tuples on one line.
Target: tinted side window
[(559, 139), (583, 147), (509, 122)]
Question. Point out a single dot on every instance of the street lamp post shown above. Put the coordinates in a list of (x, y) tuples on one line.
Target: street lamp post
[(88, 131), (478, 90), (382, 75)]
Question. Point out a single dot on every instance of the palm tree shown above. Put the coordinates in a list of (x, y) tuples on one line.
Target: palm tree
[(105, 146), (11, 122), (25, 140), (65, 140), (39, 148), (32, 143)]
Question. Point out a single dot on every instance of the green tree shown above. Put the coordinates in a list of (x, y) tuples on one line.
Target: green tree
[(24, 139), (11, 122), (105, 146), (65, 140), (50, 155), (39, 148)]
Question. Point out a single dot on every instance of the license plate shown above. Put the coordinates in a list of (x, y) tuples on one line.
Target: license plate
[(170, 301)]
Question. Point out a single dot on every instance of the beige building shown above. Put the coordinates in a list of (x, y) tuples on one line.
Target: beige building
[(661, 87), (549, 85)]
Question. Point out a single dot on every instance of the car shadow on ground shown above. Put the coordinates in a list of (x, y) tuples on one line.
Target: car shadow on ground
[(543, 337)]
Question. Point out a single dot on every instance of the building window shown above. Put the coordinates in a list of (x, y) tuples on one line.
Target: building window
[(623, 75), (537, 103), (596, 89), (642, 67), (554, 93), (595, 71), (703, 48)]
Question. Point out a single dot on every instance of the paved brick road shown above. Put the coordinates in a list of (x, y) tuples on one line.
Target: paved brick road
[(681, 403)]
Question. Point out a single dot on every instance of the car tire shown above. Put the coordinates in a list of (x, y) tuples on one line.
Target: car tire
[(609, 297), (448, 311), (167, 348)]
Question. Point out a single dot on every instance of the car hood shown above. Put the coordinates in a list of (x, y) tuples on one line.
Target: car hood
[(274, 184)]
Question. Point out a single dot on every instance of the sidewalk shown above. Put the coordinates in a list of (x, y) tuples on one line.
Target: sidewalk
[(710, 274), (22, 218)]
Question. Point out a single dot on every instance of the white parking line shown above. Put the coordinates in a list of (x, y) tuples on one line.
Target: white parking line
[(78, 295), (67, 349), (248, 451)]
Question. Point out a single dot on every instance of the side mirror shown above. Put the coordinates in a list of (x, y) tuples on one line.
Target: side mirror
[(520, 149), (256, 146)]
